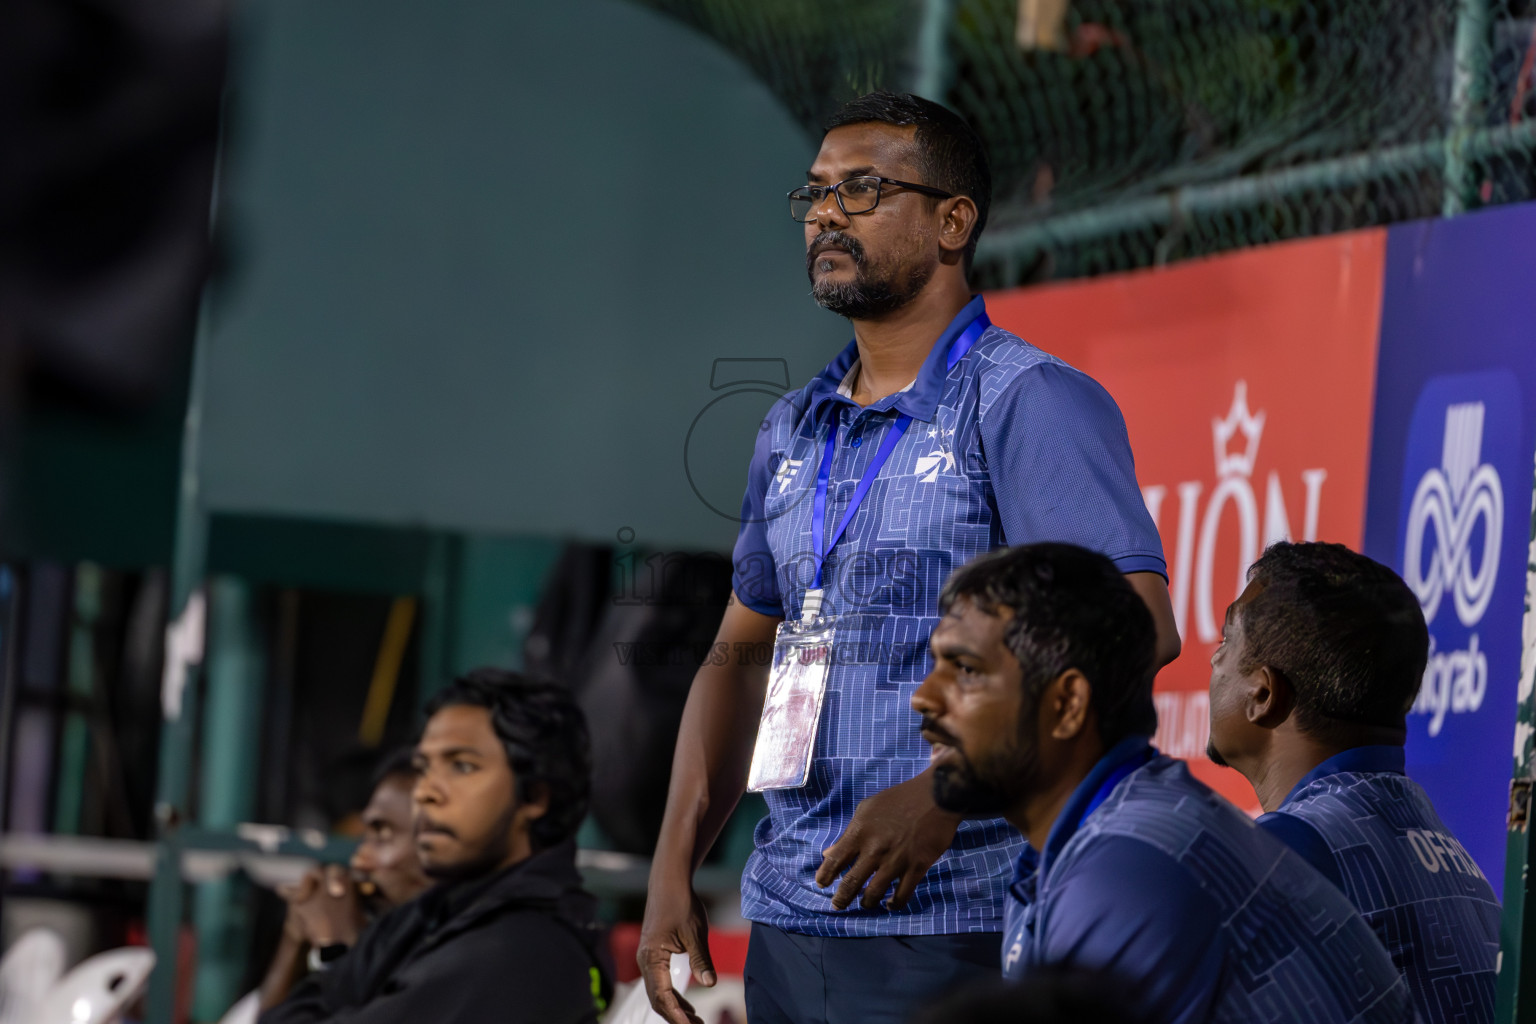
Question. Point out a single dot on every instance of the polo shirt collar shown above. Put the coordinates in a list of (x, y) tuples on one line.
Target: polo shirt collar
[(1131, 751), (920, 399), (1375, 758)]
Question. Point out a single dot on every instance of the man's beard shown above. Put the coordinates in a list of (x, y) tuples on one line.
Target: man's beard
[(876, 289), (992, 786), (489, 858), (1215, 755)]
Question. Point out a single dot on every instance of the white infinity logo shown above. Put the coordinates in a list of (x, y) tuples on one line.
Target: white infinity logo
[(1452, 498)]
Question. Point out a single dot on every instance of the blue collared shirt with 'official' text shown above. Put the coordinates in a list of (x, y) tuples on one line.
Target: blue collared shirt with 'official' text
[(1203, 915), (1372, 831), (1009, 446)]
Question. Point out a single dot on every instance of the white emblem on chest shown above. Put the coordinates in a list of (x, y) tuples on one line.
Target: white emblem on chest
[(929, 466), (786, 474)]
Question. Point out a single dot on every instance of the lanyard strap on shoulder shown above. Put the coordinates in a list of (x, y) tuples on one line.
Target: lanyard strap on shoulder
[(820, 550)]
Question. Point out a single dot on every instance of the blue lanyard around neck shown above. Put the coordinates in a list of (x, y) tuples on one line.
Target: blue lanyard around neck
[(957, 351)]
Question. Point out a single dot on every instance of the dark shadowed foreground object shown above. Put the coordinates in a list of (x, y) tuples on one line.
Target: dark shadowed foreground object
[(109, 124), (107, 146), (627, 634), (1045, 997)]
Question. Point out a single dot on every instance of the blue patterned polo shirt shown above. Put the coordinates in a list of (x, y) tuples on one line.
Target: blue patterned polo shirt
[(1203, 916), (1373, 832), (1010, 446)]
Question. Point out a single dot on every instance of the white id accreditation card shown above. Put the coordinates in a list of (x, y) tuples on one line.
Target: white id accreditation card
[(786, 735)]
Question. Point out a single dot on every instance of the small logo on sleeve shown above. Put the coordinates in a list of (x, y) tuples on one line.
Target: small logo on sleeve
[(1015, 952)]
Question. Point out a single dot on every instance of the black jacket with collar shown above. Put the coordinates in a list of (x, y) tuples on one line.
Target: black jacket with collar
[(519, 947)]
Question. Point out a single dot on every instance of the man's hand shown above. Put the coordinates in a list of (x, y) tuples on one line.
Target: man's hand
[(675, 922), (709, 773), (324, 908), (894, 837), (293, 895)]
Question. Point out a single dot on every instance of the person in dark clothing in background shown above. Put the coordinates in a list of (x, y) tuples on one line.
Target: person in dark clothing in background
[(507, 934), (331, 906)]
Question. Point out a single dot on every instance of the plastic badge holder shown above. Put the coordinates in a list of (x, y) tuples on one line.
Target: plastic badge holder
[(786, 734)]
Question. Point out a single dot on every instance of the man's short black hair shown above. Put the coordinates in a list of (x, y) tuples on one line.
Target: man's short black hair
[(1343, 630), (545, 736), (397, 764), (949, 153), (1071, 609)]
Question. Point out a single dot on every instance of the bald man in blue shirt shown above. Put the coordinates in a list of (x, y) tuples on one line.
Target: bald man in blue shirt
[(1321, 658), (1038, 708)]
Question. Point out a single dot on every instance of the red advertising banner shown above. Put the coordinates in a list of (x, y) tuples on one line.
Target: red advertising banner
[(1246, 383)]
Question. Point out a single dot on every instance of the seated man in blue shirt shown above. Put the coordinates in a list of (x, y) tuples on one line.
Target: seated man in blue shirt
[(1320, 660), (1038, 709)]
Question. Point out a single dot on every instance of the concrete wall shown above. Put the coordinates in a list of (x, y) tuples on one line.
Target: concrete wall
[(485, 257)]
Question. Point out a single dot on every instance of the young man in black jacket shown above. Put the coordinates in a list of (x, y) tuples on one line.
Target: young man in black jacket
[(507, 934)]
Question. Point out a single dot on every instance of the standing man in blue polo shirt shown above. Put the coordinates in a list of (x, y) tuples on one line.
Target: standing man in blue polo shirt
[(933, 437), (1321, 658), (1039, 708)]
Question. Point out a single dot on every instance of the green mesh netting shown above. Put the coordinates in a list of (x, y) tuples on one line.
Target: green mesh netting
[(1126, 133)]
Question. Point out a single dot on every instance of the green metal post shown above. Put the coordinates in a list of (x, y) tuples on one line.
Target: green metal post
[(1517, 928), (75, 743), (1469, 101), (227, 786), (439, 606), (933, 69), (183, 663)]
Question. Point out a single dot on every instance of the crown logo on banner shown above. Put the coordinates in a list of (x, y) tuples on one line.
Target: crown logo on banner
[(1238, 463)]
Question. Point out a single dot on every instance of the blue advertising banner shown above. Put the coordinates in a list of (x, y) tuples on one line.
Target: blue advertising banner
[(1447, 506)]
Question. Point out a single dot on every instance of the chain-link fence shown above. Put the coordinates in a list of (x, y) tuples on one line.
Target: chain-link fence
[(1126, 133)]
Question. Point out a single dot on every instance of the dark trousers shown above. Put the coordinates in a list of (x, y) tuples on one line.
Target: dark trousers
[(803, 979)]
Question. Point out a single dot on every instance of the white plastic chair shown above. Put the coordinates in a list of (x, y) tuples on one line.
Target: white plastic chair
[(28, 970), (98, 990), (245, 1011)]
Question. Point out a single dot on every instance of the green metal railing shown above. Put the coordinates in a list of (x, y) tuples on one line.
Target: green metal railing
[(1168, 209), (1129, 134), (1460, 157)]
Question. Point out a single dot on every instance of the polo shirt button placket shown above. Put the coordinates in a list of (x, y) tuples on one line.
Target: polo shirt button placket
[(856, 428)]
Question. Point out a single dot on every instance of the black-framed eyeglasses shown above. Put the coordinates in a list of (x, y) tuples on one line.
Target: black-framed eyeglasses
[(854, 195)]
